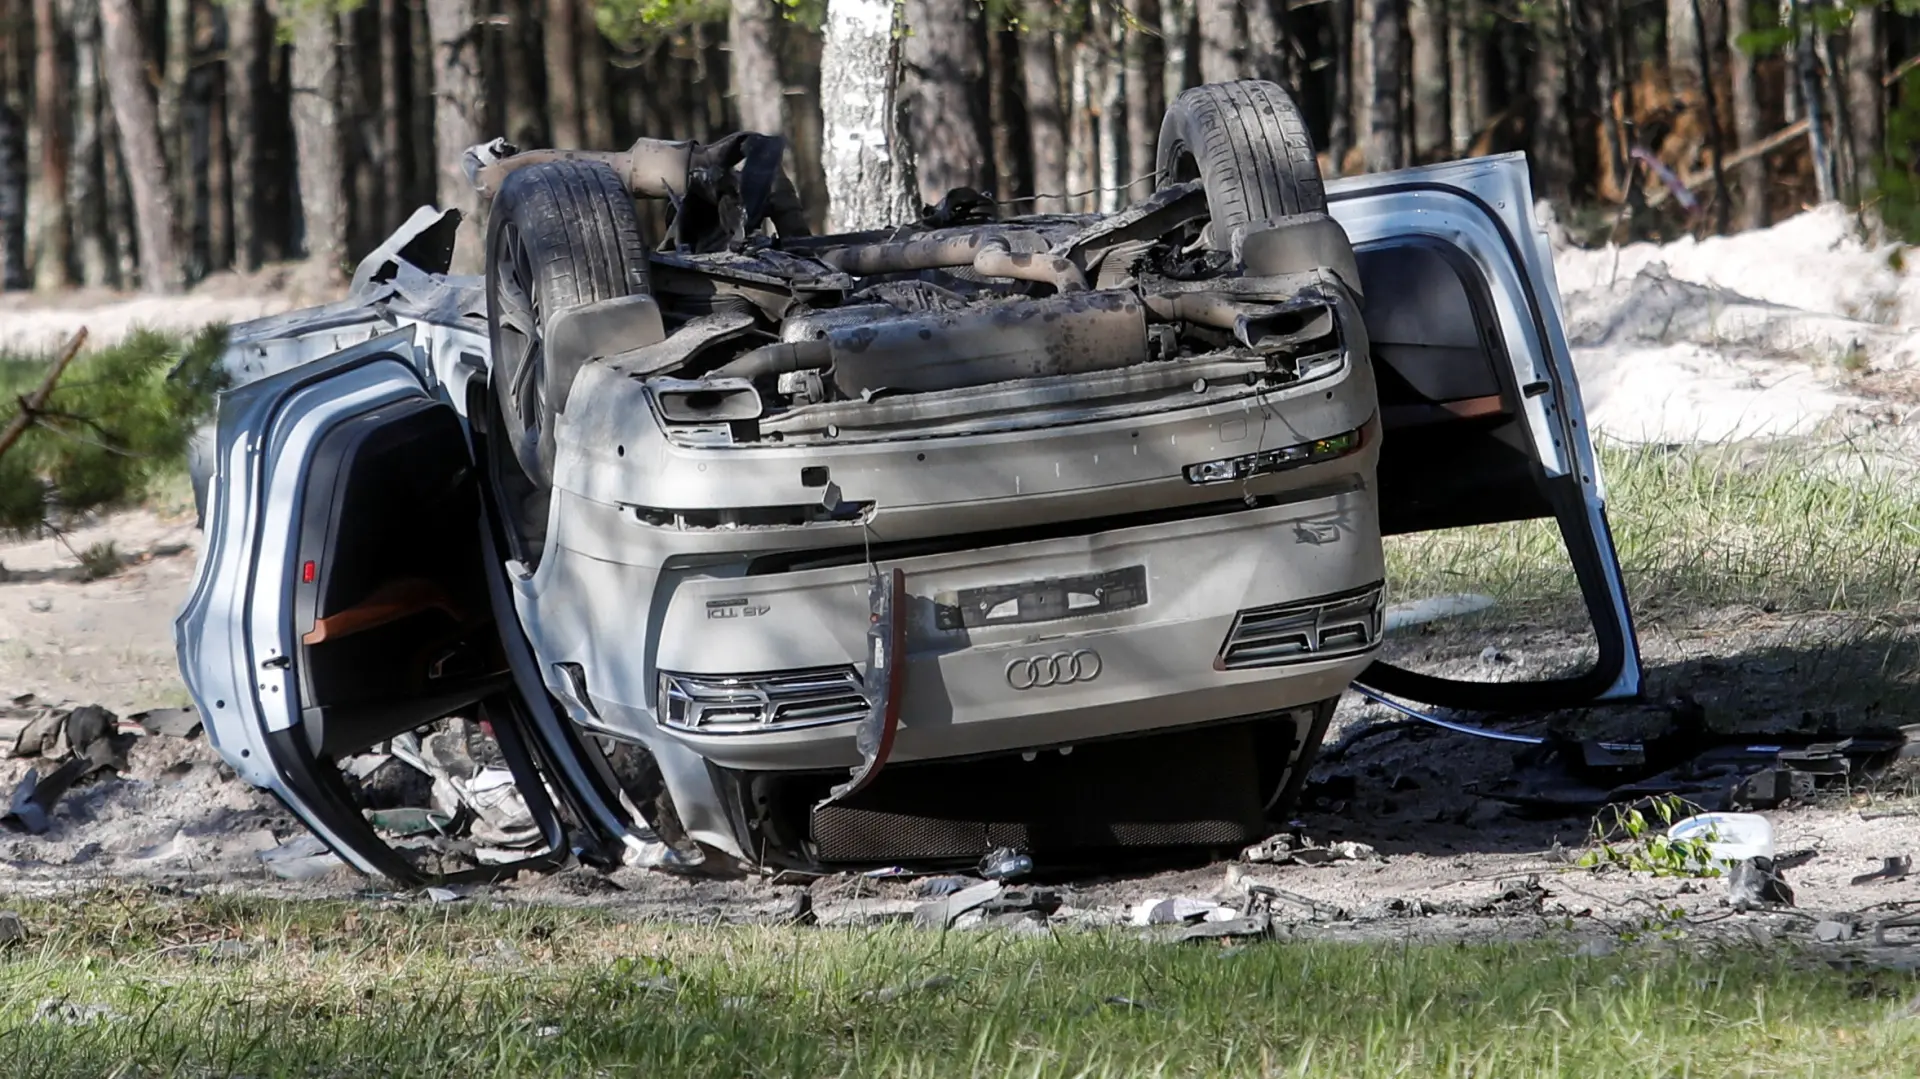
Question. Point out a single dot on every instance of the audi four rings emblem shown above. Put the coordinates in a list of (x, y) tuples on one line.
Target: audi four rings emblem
[(1058, 669)]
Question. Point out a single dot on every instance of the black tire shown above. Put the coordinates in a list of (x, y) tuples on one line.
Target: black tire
[(1248, 145), (562, 234)]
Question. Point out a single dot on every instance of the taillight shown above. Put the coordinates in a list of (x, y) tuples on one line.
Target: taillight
[(306, 573)]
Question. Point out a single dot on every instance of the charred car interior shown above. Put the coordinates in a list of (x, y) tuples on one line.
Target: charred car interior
[(749, 546)]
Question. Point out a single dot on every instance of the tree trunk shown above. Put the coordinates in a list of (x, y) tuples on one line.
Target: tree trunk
[(1807, 70), (51, 266), (754, 50), (526, 125), (559, 36), (1384, 120), (1361, 75), (1176, 21), (1866, 96), (945, 113), (13, 191), (596, 104), (1046, 124), (1006, 161), (314, 73), (1467, 66), (1083, 167), (1143, 105), (177, 67), (1340, 108), (869, 172), (457, 98), (219, 182), (86, 205), (137, 120), (392, 163), (1683, 51), (1716, 145), (1221, 40), (1267, 46), (1432, 91), (244, 91), (1552, 134), (1110, 123)]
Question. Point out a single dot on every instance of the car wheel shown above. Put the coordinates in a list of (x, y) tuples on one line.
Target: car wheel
[(562, 234), (1248, 145)]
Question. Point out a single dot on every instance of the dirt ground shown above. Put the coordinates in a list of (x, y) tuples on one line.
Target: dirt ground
[(1448, 860)]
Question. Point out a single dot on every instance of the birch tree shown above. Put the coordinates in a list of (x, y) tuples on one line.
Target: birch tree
[(869, 172)]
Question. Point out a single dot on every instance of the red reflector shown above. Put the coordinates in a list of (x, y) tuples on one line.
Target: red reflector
[(306, 573)]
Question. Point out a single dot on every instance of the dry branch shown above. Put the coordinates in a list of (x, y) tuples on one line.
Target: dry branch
[(31, 404)]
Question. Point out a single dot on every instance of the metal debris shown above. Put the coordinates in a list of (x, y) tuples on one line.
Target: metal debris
[(1890, 869), (1834, 931), (170, 722), (1180, 910), (941, 913), (1005, 863)]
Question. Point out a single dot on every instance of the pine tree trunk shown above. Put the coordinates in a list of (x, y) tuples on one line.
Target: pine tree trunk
[(1143, 104), (560, 38), (314, 74), (1467, 63), (13, 187), (1384, 120), (458, 98), (1006, 169), (1176, 36), (944, 110), (1866, 97), (868, 171), (1222, 38), (1268, 51), (1083, 166), (1361, 77), (1552, 133), (173, 104), (1340, 14), (51, 266), (219, 182), (754, 51), (244, 91), (526, 125), (1683, 51), (137, 121), (1432, 90), (85, 202), (392, 162), (1046, 122), (596, 104)]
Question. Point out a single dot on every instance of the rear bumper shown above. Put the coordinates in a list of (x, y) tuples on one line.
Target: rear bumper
[(966, 690)]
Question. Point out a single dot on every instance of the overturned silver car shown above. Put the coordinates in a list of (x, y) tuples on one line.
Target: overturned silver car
[(1049, 532)]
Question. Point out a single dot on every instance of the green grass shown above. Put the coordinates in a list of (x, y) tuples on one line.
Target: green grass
[(1780, 526), (340, 988)]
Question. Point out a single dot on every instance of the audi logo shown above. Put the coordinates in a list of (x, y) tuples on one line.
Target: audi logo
[(1058, 669)]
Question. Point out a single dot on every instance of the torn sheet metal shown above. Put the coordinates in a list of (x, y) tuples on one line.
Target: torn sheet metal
[(885, 680)]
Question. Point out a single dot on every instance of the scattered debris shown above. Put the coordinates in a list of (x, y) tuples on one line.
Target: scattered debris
[(412, 821), (66, 1013), (1005, 863), (1291, 848), (445, 895), (1180, 910), (1597, 948), (39, 605), (301, 858), (1834, 931), (1419, 612), (1756, 882), (1890, 869), (169, 722), (12, 929), (1728, 837), (935, 887), (941, 913), (31, 807)]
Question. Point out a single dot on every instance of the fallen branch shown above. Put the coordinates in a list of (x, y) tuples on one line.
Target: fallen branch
[(31, 404), (1772, 142)]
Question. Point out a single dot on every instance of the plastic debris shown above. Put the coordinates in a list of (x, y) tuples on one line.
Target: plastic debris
[(445, 895), (67, 1013), (410, 821), (935, 887), (1005, 863), (301, 858), (1834, 931), (941, 913)]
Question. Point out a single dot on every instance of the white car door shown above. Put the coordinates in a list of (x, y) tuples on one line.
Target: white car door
[(1479, 399)]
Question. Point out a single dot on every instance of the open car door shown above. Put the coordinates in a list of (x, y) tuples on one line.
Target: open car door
[(1482, 412), (342, 597)]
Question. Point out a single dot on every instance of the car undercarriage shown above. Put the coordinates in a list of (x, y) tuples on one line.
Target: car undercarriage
[(1059, 533)]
